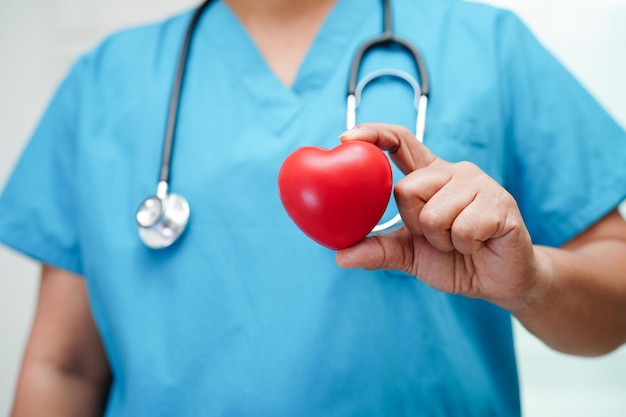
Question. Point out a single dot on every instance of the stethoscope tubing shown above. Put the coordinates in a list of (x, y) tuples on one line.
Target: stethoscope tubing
[(421, 89), (174, 103), (167, 224)]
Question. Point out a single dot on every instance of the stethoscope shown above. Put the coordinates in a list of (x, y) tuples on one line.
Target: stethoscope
[(163, 217)]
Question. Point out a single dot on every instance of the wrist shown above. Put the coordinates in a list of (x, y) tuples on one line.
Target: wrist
[(540, 282)]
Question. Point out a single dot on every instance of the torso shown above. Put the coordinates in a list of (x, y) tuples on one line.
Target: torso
[(245, 315)]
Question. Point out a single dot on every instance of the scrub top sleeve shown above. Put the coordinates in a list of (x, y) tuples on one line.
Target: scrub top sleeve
[(38, 213), (567, 156)]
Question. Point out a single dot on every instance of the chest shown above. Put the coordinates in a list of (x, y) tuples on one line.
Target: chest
[(237, 122)]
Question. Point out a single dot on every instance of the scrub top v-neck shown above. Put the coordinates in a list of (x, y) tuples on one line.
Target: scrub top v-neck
[(331, 44)]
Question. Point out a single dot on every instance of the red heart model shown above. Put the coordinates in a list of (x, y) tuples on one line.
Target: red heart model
[(336, 196)]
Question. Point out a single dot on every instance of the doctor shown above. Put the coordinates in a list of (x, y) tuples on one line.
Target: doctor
[(508, 206)]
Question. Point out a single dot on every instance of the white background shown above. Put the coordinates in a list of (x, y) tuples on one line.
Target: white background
[(40, 38)]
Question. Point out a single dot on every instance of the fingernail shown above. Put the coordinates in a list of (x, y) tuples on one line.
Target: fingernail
[(350, 132)]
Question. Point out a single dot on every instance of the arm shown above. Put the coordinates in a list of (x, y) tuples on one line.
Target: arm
[(64, 371), (584, 310), (464, 235)]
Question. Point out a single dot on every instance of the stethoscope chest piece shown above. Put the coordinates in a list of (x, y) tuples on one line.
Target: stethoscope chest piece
[(162, 220)]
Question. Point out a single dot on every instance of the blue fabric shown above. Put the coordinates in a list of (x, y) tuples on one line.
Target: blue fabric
[(245, 316)]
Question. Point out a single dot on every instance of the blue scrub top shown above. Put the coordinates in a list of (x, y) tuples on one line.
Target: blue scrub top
[(245, 316)]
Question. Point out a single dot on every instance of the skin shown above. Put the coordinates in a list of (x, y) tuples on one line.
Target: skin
[(64, 371), (462, 230), (282, 30)]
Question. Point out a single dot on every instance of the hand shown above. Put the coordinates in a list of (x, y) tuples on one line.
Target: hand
[(463, 233)]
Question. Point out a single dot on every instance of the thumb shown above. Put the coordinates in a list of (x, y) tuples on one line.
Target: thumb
[(390, 251)]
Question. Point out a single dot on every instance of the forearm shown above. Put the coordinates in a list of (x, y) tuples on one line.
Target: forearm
[(582, 309), (65, 371), (46, 389)]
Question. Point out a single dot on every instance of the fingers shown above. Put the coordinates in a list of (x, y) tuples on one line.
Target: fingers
[(429, 202), (391, 251), (454, 206), (475, 225), (404, 149)]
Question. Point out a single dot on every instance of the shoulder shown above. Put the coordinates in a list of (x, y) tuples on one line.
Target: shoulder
[(126, 68), (138, 50), (462, 9), (462, 33), (144, 38), (461, 16)]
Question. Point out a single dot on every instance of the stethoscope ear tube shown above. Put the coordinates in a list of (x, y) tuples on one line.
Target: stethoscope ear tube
[(421, 89), (388, 38), (420, 103)]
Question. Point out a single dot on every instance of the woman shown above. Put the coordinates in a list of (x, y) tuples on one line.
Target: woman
[(246, 316)]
